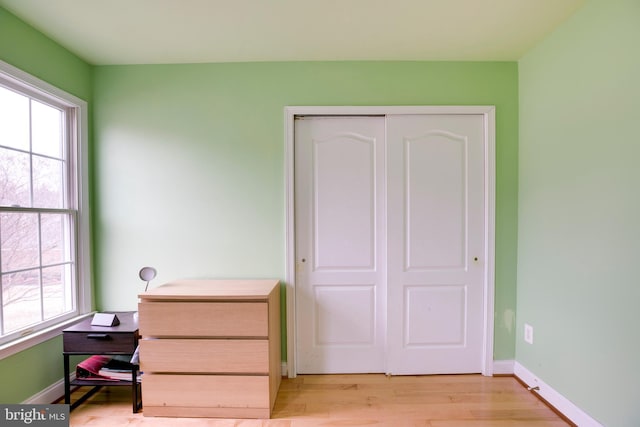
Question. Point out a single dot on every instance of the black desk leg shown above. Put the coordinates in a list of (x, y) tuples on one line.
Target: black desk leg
[(67, 384), (134, 389)]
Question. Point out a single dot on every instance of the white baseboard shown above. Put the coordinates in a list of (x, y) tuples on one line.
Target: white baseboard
[(48, 395), (558, 401), (503, 367), (284, 370)]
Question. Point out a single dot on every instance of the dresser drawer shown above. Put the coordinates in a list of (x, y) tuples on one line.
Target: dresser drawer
[(205, 356), (204, 319), (99, 342), (199, 391)]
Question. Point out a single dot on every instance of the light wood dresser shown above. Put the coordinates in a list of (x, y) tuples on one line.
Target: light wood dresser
[(210, 348)]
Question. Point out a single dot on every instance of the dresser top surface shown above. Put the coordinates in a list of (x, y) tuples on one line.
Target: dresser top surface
[(212, 290)]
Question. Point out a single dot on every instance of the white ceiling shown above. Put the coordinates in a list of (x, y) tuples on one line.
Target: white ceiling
[(184, 31)]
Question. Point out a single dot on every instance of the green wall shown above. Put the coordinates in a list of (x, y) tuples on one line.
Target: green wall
[(579, 207), (190, 163), (27, 49), (31, 51), (190, 179)]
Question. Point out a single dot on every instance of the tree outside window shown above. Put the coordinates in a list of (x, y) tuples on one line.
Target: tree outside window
[(37, 211)]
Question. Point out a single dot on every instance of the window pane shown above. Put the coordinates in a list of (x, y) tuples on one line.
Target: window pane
[(48, 183), (46, 135), (56, 286), (19, 240), (14, 178), (14, 119), (20, 300), (40, 178), (55, 241)]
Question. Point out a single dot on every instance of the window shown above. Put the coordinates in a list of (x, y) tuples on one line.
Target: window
[(43, 226)]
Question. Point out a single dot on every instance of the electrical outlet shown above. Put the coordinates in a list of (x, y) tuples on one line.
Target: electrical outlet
[(528, 333)]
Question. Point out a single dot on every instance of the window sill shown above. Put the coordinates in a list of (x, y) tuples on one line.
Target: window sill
[(39, 337)]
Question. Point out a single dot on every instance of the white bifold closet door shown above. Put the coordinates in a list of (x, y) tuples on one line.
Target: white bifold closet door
[(390, 243)]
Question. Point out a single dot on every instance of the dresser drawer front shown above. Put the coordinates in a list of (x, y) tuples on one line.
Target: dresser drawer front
[(205, 391), (98, 342), (204, 319), (205, 356)]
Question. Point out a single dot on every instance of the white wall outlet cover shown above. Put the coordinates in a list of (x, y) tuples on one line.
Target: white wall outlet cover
[(528, 333)]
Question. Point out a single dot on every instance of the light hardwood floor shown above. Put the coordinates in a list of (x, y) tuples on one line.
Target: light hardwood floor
[(358, 400)]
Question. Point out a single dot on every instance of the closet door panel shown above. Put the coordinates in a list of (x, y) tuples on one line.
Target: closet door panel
[(435, 243), (340, 244)]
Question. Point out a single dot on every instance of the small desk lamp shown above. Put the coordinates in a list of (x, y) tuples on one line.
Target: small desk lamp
[(147, 274)]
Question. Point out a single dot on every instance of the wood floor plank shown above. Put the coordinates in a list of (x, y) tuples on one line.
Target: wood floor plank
[(358, 400)]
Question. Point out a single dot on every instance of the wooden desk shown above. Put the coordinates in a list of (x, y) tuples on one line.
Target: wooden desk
[(85, 339), (211, 348)]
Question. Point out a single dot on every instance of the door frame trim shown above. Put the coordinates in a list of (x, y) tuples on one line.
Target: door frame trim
[(488, 112)]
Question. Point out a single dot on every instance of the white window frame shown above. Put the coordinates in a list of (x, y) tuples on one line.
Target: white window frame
[(78, 157)]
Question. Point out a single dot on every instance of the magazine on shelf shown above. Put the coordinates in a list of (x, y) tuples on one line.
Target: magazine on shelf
[(107, 368)]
